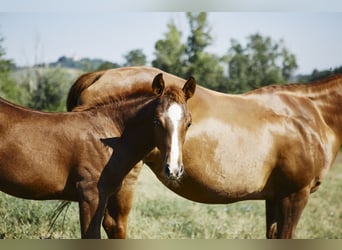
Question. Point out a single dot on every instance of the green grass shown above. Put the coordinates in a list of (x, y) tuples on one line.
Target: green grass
[(160, 214)]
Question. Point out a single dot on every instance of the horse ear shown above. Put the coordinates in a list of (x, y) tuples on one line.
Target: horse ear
[(189, 88), (158, 84)]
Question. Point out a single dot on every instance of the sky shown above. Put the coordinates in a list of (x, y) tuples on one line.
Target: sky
[(315, 37)]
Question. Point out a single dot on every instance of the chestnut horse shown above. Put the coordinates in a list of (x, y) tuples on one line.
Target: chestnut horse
[(274, 144), (84, 156)]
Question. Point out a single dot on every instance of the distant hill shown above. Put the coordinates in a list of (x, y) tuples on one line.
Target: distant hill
[(84, 64), (319, 74), (78, 66)]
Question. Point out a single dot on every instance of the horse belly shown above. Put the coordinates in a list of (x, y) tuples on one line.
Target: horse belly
[(29, 172)]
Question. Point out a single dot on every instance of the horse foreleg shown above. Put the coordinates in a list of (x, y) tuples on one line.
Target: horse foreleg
[(91, 208), (271, 219), (119, 205), (282, 216)]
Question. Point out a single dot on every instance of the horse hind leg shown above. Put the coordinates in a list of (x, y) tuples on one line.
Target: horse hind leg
[(116, 217), (119, 206), (282, 216)]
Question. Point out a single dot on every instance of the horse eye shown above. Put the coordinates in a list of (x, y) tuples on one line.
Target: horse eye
[(157, 122), (188, 125)]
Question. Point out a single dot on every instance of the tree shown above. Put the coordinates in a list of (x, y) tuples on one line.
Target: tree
[(237, 68), (9, 89), (5, 64), (262, 62), (190, 59), (49, 89), (135, 58), (205, 67), (199, 37), (170, 52)]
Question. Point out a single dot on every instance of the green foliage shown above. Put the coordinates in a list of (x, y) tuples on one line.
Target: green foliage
[(44, 88), (207, 70), (199, 37), (262, 62), (170, 52), (205, 67), (108, 65), (320, 74), (11, 91), (5, 65), (158, 213), (38, 88), (49, 90), (190, 59), (135, 58), (8, 87)]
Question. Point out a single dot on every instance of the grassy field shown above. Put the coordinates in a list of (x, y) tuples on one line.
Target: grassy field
[(160, 214)]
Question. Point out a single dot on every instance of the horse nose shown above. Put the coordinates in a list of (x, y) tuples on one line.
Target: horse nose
[(174, 174)]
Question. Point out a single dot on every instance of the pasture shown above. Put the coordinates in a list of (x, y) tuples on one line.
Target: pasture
[(160, 214)]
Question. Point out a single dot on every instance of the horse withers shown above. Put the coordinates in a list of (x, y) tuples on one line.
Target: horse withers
[(85, 155), (275, 144)]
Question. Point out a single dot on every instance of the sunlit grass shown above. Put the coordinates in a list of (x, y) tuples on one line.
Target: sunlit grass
[(160, 214)]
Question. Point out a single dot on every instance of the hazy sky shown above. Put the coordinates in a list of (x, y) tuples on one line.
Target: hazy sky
[(42, 36)]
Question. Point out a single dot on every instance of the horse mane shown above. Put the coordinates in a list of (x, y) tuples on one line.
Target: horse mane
[(318, 85), (171, 92), (82, 83), (113, 99)]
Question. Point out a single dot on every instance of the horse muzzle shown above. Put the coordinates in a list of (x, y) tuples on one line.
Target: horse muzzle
[(173, 173)]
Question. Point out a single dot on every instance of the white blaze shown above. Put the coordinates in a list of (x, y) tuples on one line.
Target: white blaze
[(175, 114)]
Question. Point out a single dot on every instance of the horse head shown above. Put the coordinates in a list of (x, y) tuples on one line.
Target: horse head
[(171, 122)]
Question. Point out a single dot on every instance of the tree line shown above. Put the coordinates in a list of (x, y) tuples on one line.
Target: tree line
[(258, 62)]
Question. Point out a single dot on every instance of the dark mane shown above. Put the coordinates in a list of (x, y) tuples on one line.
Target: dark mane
[(82, 83), (114, 99), (315, 85)]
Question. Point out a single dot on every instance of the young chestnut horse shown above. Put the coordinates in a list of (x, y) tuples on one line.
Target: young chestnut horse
[(84, 156), (274, 144)]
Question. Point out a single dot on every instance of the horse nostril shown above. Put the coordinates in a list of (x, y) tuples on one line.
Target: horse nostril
[(167, 170), (180, 172)]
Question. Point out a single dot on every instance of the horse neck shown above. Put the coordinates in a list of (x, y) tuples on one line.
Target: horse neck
[(133, 118), (134, 111)]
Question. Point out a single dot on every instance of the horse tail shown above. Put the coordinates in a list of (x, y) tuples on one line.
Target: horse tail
[(82, 83), (62, 205)]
